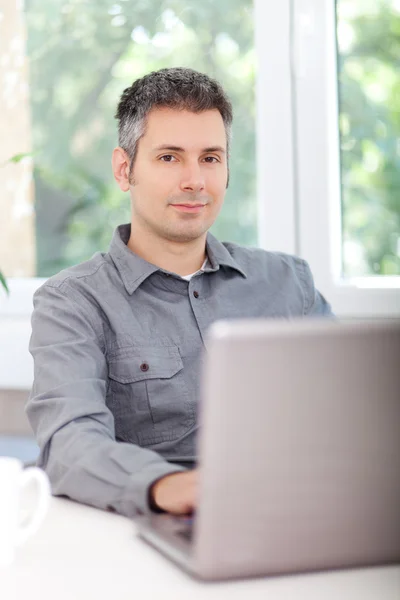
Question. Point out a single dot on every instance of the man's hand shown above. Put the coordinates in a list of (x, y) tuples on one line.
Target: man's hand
[(176, 493)]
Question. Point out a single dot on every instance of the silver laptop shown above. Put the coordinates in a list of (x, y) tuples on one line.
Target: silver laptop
[(299, 451)]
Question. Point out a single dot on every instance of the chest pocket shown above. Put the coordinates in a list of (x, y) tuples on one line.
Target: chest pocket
[(148, 395)]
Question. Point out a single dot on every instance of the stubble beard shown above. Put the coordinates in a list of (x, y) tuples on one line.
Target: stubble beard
[(183, 232)]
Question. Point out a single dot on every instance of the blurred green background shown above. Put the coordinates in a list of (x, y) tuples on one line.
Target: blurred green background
[(83, 54), (369, 97)]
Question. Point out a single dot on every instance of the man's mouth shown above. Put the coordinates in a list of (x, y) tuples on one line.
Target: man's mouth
[(190, 208)]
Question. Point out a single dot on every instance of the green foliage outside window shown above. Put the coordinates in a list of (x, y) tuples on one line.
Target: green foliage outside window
[(369, 95)]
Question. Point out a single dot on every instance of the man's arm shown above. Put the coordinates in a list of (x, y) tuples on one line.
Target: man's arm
[(67, 410)]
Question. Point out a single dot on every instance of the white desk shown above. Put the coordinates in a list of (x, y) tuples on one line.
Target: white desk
[(82, 553)]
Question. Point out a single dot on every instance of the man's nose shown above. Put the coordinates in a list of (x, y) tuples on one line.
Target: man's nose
[(192, 179)]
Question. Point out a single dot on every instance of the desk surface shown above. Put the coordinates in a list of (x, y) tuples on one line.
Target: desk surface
[(81, 553)]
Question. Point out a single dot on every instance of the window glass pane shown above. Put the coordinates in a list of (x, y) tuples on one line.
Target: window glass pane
[(369, 99), (82, 55)]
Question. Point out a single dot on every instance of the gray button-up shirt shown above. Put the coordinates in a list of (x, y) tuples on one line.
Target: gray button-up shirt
[(117, 344)]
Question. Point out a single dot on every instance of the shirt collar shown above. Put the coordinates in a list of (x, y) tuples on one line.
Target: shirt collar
[(218, 255), (134, 270)]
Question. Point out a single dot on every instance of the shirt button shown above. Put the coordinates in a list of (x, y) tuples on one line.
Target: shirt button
[(196, 294), (144, 367)]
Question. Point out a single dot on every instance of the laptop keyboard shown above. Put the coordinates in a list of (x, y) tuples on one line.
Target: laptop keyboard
[(186, 531)]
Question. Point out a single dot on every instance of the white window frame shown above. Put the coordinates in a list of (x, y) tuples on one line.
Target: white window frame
[(277, 210), (297, 173)]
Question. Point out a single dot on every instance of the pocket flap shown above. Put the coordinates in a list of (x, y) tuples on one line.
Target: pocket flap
[(128, 365)]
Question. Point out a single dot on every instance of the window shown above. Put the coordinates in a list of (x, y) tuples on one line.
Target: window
[(319, 139), (80, 57), (346, 149)]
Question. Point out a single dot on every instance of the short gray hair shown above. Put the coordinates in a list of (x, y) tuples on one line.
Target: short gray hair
[(180, 88)]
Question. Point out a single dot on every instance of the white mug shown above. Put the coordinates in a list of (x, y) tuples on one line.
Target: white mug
[(14, 484)]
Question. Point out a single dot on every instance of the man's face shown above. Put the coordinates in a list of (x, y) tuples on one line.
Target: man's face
[(181, 160)]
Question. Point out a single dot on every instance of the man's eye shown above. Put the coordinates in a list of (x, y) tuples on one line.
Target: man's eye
[(167, 158), (211, 159)]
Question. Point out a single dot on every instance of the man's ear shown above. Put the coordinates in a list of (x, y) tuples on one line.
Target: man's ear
[(120, 166)]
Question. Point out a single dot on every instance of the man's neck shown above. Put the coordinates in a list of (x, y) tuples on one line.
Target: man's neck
[(182, 258)]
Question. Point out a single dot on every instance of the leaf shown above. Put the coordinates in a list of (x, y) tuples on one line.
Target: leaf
[(3, 282), (18, 157)]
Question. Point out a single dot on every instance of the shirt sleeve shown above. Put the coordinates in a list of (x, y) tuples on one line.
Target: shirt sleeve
[(68, 413), (315, 304)]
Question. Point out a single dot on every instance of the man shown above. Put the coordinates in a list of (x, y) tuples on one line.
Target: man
[(117, 340)]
